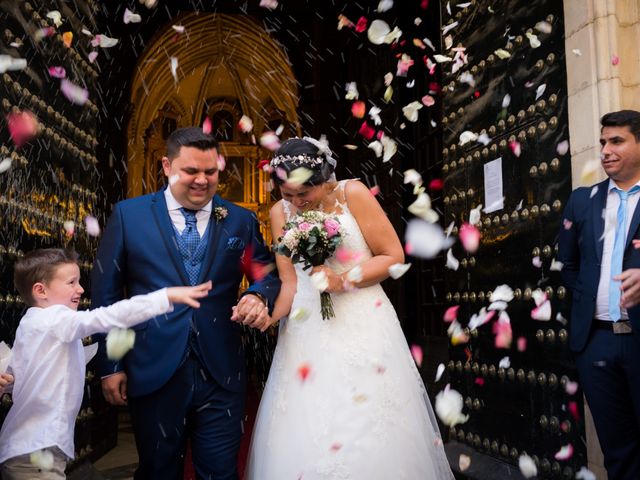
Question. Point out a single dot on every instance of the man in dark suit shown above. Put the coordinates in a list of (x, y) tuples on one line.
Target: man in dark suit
[(185, 377), (601, 267)]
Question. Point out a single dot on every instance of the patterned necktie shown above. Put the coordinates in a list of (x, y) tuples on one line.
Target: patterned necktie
[(191, 238), (618, 252)]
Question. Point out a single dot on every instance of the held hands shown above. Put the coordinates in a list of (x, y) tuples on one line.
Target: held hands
[(630, 287), (188, 295), (252, 311), (6, 379)]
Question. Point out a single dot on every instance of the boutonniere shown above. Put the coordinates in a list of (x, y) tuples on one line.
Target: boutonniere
[(220, 213)]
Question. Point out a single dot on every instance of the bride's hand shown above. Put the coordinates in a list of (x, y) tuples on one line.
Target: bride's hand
[(336, 282)]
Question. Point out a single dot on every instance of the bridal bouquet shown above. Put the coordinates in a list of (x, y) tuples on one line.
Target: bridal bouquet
[(310, 238)]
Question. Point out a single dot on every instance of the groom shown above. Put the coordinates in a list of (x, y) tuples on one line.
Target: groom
[(185, 376)]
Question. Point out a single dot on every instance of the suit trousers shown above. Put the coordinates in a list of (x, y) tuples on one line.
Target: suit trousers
[(191, 405), (21, 467), (609, 370)]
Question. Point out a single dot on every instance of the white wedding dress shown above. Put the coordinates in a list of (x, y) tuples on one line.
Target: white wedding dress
[(344, 399)]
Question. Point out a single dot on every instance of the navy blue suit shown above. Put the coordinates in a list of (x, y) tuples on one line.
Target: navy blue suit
[(608, 364), (173, 396)]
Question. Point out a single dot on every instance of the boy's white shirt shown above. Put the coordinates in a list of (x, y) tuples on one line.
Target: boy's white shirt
[(48, 363)]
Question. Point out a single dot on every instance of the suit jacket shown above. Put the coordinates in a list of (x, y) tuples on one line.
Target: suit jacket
[(580, 245), (138, 254)]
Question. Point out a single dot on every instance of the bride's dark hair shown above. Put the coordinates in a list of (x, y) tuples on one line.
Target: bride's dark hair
[(296, 153)]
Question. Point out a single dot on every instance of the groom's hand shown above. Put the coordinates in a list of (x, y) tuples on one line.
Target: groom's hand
[(251, 311), (114, 388)]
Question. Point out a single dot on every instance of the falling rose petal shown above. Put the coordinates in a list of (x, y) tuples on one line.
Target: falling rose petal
[(452, 262), (502, 293), (521, 344), (42, 459), (57, 72), (504, 334), (377, 147), (303, 371), (585, 474), (556, 266), (504, 362), (481, 318), (269, 4), (206, 126), (92, 56), (344, 22), (131, 17), (74, 93), (442, 58), (270, 141), (366, 131), (428, 100), (9, 63), (149, 3), (358, 109), (374, 114), (527, 466), (572, 406), (92, 226), (465, 77), (543, 312), (384, 5), (390, 147), (104, 41), (388, 78), (499, 305), (479, 381), (352, 91), (615, 60), (412, 176), (565, 453), (22, 127), (536, 262), (451, 314), (416, 353), (543, 27), (55, 16), (378, 31), (397, 270), (320, 281), (577, 52), (119, 342), (67, 38), (474, 215), (299, 315), (173, 65), (533, 40), (470, 237), (464, 462), (424, 239), (540, 90), (388, 94), (344, 255), (410, 111), (467, 136), (298, 176), (571, 387), (421, 207), (538, 296), (502, 53), (361, 24), (516, 148), (69, 228), (375, 190), (43, 33), (404, 63), (449, 405), (5, 164), (335, 447), (563, 147)]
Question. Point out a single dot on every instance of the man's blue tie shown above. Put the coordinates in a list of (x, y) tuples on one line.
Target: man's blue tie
[(618, 252), (191, 238)]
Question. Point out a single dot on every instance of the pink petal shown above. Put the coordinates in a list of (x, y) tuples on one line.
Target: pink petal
[(92, 56), (416, 352), (74, 93), (565, 453), (571, 388), (57, 72), (573, 409), (522, 344), (303, 371), (366, 131), (451, 314), (375, 190), (428, 100), (206, 126), (22, 127), (615, 60), (516, 148), (470, 237), (358, 109), (92, 225)]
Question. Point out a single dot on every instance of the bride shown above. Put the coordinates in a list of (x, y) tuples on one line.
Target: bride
[(344, 399)]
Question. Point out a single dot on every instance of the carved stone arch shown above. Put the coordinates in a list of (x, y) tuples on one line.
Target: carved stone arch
[(220, 55)]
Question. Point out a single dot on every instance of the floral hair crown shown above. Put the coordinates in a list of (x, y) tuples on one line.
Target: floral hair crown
[(298, 160)]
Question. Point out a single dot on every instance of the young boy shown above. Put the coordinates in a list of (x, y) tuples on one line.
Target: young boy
[(48, 359)]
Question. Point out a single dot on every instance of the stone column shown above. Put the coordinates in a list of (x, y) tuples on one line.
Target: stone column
[(596, 33)]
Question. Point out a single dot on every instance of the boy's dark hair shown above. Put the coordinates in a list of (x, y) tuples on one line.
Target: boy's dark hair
[(189, 137), (623, 118), (297, 152), (39, 266)]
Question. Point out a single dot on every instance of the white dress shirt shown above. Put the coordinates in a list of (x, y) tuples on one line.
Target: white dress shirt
[(48, 364), (610, 219), (177, 218)]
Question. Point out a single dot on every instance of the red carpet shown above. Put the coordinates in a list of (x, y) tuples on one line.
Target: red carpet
[(251, 409)]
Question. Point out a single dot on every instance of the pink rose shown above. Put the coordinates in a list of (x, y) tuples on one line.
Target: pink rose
[(332, 226), (304, 227)]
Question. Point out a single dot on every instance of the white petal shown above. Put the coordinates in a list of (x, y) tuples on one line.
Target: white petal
[(320, 281), (421, 207), (5, 164), (413, 177), (424, 239), (377, 32), (355, 274), (376, 146), (504, 362), (543, 312), (527, 466), (449, 407), (556, 266), (502, 293), (398, 269), (474, 215), (585, 474), (452, 262), (298, 176), (385, 5), (467, 136), (390, 148), (540, 90), (119, 342), (439, 372)]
